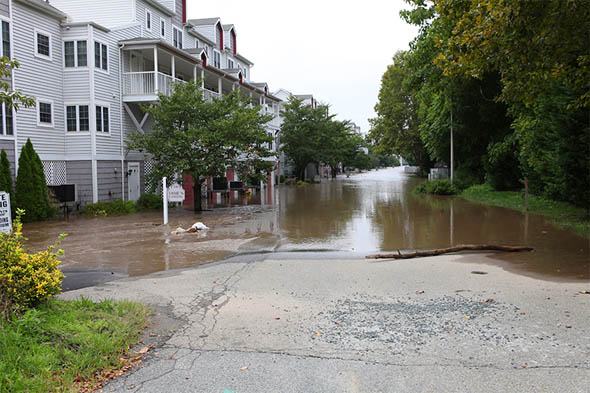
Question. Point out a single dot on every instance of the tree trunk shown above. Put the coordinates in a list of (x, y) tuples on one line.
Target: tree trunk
[(439, 251), (333, 172), (302, 174), (197, 195)]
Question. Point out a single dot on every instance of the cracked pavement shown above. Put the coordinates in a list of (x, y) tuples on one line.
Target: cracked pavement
[(258, 324)]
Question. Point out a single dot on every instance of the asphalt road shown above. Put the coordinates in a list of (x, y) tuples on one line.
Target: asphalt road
[(259, 324)]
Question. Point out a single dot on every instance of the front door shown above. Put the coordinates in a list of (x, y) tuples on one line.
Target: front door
[(133, 180)]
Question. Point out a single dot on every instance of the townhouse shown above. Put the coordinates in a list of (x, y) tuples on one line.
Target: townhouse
[(91, 64)]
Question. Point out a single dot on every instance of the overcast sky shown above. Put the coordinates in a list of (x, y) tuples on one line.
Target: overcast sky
[(335, 50)]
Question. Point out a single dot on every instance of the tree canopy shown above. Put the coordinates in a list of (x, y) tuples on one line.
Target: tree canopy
[(201, 138), (515, 77)]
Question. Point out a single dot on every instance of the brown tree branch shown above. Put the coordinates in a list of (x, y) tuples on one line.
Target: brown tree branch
[(461, 247)]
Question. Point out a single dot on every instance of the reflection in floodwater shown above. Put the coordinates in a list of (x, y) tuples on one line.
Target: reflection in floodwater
[(374, 211)]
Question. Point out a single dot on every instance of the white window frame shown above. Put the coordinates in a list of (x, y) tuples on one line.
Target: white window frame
[(215, 64), (37, 54), (3, 134), (7, 20), (162, 27), (176, 29), (107, 71), (43, 124), (230, 61), (75, 40), (149, 17), (102, 105), (77, 131)]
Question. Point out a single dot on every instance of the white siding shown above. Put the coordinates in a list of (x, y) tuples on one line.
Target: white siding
[(107, 91), (177, 19), (208, 31), (5, 8), (156, 16), (39, 78), (109, 13), (76, 90)]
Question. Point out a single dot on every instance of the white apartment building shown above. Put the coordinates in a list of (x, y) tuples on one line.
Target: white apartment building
[(90, 64)]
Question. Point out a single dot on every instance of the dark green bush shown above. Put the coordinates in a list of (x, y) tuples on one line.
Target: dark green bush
[(436, 187), (6, 179), (282, 179), (31, 193), (112, 208), (502, 166), (149, 201)]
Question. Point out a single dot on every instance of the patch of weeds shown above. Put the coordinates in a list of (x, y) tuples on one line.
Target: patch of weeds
[(563, 214), (435, 187), (111, 208), (64, 344)]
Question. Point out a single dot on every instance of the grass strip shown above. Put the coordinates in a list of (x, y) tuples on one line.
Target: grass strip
[(563, 215), (64, 345)]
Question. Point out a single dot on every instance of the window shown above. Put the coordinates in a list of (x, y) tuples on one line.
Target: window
[(102, 118), (77, 118), (162, 28), (230, 63), (71, 118), (84, 117), (196, 43), (42, 44), (177, 37), (6, 123), (217, 59), (75, 54), (45, 113), (5, 39), (101, 56), (148, 20)]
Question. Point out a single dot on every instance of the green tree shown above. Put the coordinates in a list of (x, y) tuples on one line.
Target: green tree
[(6, 177), (203, 139), (395, 129), (304, 134), (31, 189), (12, 99)]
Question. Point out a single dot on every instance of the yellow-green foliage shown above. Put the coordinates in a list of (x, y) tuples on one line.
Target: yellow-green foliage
[(26, 279)]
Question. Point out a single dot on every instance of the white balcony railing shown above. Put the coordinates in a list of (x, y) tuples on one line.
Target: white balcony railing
[(143, 83)]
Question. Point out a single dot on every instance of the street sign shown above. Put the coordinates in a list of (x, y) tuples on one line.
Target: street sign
[(175, 193), (5, 217)]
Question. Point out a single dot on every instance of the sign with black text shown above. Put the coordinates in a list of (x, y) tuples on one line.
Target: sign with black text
[(5, 216), (175, 193)]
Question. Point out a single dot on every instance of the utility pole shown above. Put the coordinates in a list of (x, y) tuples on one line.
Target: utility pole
[(452, 152)]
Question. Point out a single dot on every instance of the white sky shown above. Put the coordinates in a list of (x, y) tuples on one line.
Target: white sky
[(335, 50)]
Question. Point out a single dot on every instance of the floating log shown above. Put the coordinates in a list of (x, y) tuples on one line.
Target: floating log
[(440, 251)]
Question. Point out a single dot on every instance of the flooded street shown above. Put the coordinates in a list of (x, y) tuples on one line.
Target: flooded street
[(366, 213)]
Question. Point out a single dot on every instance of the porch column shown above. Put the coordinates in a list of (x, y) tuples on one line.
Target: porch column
[(202, 78), (156, 69), (195, 74), (260, 100), (219, 85), (173, 66), (233, 86)]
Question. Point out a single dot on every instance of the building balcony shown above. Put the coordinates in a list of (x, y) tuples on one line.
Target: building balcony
[(146, 85)]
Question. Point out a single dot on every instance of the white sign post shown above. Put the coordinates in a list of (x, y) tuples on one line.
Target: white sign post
[(5, 216), (165, 197)]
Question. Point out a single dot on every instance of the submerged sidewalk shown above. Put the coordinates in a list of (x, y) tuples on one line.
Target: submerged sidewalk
[(430, 324)]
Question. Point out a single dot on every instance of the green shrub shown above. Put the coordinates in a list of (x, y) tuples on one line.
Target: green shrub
[(436, 187), (31, 193), (302, 183), (502, 166), (26, 280), (282, 179), (111, 208), (6, 178), (149, 201)]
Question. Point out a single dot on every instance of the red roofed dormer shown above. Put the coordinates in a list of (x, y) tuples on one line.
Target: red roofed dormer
[(234, 41), (220, 36), (183, 11), (265, 90), (204, 59), (241, 78)]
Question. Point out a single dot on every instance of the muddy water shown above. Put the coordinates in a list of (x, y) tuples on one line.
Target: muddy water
[(363, 214)]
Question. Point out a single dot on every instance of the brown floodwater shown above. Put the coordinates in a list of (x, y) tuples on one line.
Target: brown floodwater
[(366, 213)]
